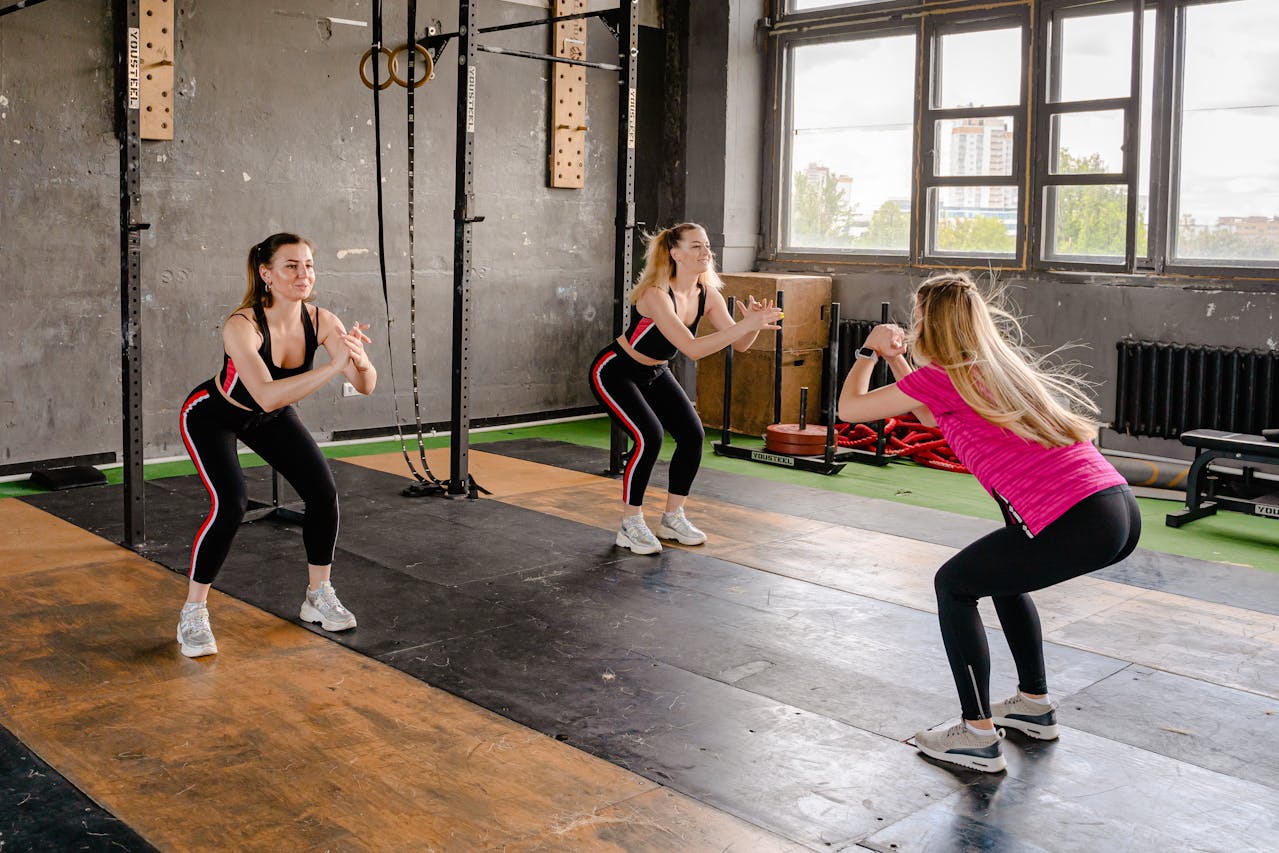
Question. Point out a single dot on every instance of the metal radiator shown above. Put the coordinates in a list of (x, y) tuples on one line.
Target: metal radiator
[(852, 334), (1163, 390)]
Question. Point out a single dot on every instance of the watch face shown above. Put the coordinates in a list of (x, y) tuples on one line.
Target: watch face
[(866, 352)]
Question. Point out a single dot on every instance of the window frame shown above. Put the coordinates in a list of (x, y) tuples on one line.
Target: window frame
[(1170, 38), (935, 27), (777, 202), (1033, 143), (1044, 141)]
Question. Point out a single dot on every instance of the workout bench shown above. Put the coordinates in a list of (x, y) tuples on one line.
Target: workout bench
[(1211, 445)]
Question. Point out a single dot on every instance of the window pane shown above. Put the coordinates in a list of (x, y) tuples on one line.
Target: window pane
[(1088, 222), (979, 69), (805, 5), (850, 156), (1088, 142), (973, 220), (1096, 57), (1228, 189), (974, 146)]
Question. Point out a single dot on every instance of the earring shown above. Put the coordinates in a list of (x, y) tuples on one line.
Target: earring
[(268, 287)]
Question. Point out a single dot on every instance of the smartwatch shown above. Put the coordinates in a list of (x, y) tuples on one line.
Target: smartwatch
[(867, 353)]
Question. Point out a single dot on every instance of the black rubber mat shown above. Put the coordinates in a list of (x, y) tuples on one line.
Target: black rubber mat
[(783, 702), (41, 810)]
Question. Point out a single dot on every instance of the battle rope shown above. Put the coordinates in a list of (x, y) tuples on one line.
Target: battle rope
[(906, 438), (428, 483)]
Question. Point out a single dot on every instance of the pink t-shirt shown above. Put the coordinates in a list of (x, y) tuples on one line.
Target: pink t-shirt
[(1037, 483)]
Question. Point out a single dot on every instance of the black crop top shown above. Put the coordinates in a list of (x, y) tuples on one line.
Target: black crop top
[(229, 378), (648, 340)]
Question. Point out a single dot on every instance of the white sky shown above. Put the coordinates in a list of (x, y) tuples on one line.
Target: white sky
[(854, 102)]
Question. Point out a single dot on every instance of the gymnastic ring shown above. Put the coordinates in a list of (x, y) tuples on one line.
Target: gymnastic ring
[(395, 65), (364, 60)]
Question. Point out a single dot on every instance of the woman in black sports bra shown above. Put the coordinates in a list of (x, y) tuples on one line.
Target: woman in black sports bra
[(269, 347), (633, 382)]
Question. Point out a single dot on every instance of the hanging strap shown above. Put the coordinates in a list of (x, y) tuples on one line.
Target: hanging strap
[(409, 89), (376, 28)]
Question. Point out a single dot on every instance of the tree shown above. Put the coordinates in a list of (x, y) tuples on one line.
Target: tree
[(819, 213), (889, 229), (1092, 220), (1224, 244), (975, 234)]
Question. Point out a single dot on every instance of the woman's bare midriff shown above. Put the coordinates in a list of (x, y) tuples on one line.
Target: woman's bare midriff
[(227, 397), (638, 356)]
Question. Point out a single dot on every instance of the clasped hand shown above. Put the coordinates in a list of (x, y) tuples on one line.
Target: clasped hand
[(765, 314), (887, 339), (353, 341)]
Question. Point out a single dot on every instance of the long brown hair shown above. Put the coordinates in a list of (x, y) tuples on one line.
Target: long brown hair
[(659, 266), (261, 255), (978, 342)]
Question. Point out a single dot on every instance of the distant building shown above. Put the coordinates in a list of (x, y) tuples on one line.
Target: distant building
[(981, 146), (1253, 227)]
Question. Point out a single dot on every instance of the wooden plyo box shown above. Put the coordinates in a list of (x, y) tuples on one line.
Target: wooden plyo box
[(807, 301), (753, 388)]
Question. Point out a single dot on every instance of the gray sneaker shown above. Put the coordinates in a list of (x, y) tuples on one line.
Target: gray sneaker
[(675, 526), (322, 606), (194, 633), (635, 535), (958, 745), (1031, 718)]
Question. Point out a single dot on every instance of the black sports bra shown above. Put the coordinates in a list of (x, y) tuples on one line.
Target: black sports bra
[(229, 378), (648, 340)]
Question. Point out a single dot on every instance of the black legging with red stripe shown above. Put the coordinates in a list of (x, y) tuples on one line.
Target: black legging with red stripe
[(643, 400), (210, 427)]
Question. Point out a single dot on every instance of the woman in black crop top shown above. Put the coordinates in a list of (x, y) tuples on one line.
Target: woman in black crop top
[(269, 344), (633, 382)]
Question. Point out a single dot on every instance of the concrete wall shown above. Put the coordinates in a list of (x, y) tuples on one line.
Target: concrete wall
[(274, 132), (725, 123)]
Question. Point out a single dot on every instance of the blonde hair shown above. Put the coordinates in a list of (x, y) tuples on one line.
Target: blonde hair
[(978, 343), (659, 266), (261, 255)]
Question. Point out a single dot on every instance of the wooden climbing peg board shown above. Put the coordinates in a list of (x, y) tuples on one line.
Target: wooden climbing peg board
[(156, 30), (568, 98)]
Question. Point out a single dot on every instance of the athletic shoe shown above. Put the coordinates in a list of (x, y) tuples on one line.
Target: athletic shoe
[(675, 526), (322, 605), (1031, 718), (194, 633), (959, 745), (635, 535)]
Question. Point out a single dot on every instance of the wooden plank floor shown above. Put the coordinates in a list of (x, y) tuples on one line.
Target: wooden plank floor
[(761, 687), (285, 741)]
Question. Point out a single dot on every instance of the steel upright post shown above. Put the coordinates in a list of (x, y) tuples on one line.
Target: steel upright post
[(463, 220), (128, 96), (627, 80)]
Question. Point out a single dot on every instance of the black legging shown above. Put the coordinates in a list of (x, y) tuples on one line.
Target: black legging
[(1006, 565), (210, 426), (643, 400)]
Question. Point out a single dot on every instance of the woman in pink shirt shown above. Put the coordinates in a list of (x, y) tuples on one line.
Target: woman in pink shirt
[(1016, 424)]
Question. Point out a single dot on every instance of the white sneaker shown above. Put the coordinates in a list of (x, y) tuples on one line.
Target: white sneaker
[(194, 633), (1028, 716), (958, 745), (675, 526), (635, 535), (322, 606)]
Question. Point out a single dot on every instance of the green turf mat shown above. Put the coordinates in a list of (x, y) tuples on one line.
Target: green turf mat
[(1227, 537)]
